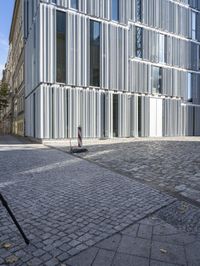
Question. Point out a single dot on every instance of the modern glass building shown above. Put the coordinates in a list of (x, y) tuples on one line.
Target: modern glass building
[(118, 68)]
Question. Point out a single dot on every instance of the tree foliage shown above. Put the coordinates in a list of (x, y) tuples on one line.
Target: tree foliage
[(4, 93)]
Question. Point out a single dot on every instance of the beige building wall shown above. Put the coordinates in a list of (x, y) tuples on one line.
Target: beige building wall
[(6, 114), (17, 54)]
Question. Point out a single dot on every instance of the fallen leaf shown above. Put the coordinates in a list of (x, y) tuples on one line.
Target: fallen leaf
[(163, 250), (12, 259), (6, 245)]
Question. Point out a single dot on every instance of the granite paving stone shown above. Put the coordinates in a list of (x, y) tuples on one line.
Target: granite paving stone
[(78, 213), (54, 193), (132, 250), (160, 263), (111, 243), (168, 253), (135, 246), (169, 164), (103, 258), (84, 259)]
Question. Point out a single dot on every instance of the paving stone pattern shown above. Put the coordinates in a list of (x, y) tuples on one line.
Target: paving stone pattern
[(64, 204), (149, 242), (182, 215), (171, 165)]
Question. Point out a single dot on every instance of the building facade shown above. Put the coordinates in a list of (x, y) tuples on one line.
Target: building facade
[(117, 68), (16, 42), (6, 113)]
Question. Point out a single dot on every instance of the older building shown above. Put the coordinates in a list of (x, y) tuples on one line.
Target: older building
[(16, 41), (118, 68), (6, 113)]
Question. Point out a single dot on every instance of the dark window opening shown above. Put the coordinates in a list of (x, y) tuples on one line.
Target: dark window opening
[(139, 10), (115, 10), (115, 115), (139, 116), (34, 116), (61, 47), (189, 90), (139, 42), (52, 113), (156, 80), (94, 53), (74, 4), (104, 115)]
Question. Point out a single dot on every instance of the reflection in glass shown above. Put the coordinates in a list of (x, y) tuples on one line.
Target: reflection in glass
[(74, 4), (94, 53), (61, 47), (194, 25), (115, 10), (156, 80), (138, 10), (189, 96), (139, 40)]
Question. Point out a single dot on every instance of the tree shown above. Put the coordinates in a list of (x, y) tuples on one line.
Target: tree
[(4, 93)]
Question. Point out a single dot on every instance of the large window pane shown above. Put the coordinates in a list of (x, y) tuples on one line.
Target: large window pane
[(189, 91), (194, 25), (156, 80), (161, 48), (61, 47), (94, 53), (74, 4), (138, 10), (139, 42), (115, 10)]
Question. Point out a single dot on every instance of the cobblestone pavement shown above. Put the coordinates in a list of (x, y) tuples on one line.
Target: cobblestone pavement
[(169, 165), (182, 215), (64, 204), (173, 234), (150, 242)]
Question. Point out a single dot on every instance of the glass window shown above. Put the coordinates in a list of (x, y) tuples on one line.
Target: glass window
[(115, 10), (199, 57), (194, 25), (156, 80), (61, 47), (139, 42), (74, 4), (95, 53), (161, 48), (54, 2), (138, 10), (139, 116), (189, 91)]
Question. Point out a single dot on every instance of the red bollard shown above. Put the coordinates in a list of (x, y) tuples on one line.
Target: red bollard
[(80, 143)]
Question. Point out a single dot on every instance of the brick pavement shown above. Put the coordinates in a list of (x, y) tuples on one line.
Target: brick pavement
[(64, 204)]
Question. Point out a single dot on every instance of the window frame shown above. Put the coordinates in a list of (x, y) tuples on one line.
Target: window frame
[(158, 89), (91, 63), (63, 79), (72, 4), (116, 16)]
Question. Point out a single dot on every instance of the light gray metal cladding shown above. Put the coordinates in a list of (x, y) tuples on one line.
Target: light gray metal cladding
[(190, 120), (168, 16), (129, 100), (114, 57)]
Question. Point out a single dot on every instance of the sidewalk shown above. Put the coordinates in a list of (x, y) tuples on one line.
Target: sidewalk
[(149, 242), (67, 205)]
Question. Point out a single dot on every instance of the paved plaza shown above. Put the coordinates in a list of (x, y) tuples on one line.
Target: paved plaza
[(169, 164), (82, 212)]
